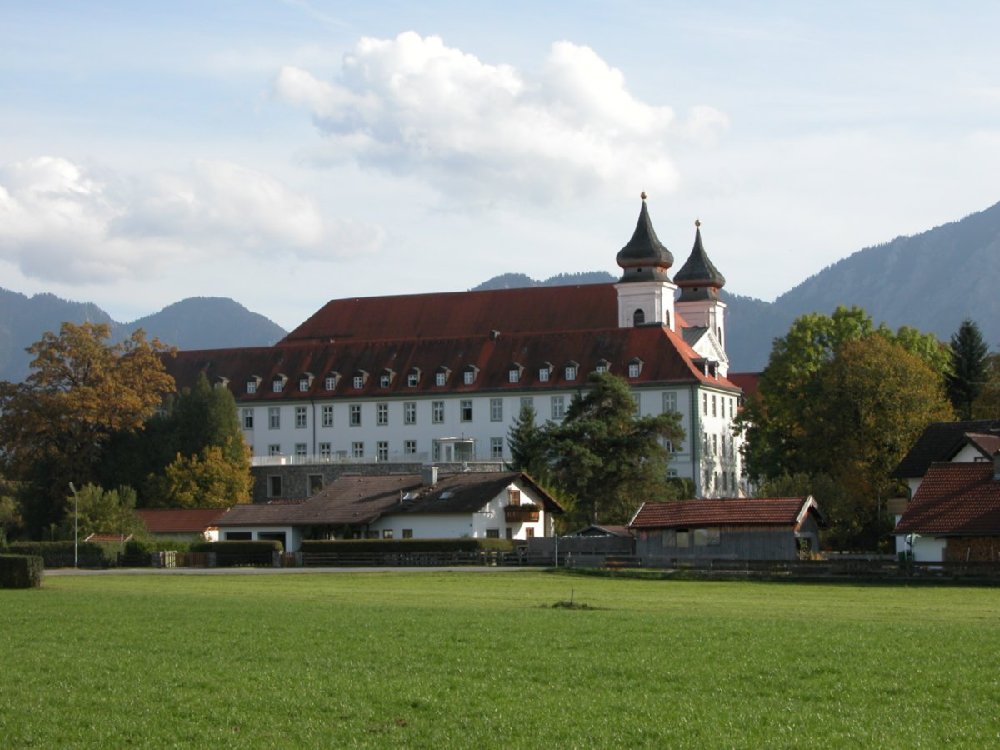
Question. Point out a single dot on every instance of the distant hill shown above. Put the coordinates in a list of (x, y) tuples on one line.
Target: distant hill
[(931, 281), (520, 280), (194, 323)]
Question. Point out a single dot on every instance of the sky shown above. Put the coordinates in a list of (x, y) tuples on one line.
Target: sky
[(288, 152)]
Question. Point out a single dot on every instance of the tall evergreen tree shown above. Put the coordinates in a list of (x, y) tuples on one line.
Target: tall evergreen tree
[(967, 375)]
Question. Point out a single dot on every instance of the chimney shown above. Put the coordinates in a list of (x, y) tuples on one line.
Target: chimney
[(429, 476)]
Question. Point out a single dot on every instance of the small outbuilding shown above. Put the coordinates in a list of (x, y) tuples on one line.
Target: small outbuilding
[(182, 524), (784, 528)]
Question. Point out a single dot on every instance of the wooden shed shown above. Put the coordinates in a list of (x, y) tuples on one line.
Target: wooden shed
[(784, 528)]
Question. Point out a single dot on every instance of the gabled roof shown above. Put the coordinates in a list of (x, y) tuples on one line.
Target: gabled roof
[(986, 444), (179, 520), (666, 356), (960, 499), (939, 442), (359, 500), (781, 511)]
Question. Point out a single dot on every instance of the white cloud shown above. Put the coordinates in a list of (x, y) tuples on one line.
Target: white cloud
[(412, 105), (60, 224)]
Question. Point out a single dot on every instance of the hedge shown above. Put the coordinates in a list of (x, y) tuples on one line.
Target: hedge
[(404, 546), (240, 552), (60, 554), (20, 571)]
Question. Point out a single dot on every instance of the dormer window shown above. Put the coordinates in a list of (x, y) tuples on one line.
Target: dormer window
[(603, 366), (441, 376), (385, 379), (360, 378), (544, 371), (635, 368), (331, 380), (278, 384), (252, 384), (305, 381), (413, 378), (514, 373), (469, 374), (222, 382), (571, 370)]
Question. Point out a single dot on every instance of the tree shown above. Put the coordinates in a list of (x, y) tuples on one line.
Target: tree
[(844, 400), (987, 406), (606, 457), (103, 511), (208, 479), (81, 391), (10, 512), (527, 440), (967, 374)]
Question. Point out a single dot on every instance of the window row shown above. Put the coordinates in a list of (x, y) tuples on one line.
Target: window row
[(440, 450), (469, 375), (719, 405)]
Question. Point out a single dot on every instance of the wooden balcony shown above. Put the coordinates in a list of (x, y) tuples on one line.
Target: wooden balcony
[(521, 513)]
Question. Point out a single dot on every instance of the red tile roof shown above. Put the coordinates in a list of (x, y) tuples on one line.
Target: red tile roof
[(782, 511), (748, 382), (961, 499), (179, 520)]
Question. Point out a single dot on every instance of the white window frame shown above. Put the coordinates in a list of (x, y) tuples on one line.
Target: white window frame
[(355, 418), (382, 413), (301, 418), (326, 414), (409, 412), (496, 410), (274, 417)]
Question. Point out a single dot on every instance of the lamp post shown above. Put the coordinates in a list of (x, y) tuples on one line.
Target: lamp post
[(76, 527)]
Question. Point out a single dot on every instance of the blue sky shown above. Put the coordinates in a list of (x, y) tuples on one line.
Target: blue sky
[(286, 153)]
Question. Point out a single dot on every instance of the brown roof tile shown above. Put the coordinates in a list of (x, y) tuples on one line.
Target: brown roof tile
[(955, 499), (179, 520), (784, 511)]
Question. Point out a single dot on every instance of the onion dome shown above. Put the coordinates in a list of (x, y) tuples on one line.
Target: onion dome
[(644, 258), (698, 278)]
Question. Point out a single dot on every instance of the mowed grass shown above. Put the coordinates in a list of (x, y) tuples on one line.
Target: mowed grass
[(482, 659)]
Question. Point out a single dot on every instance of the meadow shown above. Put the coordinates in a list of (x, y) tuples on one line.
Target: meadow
[(419, 659)]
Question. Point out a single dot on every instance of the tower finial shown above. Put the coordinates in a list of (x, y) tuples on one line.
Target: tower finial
[(697, 223), (643, 195)]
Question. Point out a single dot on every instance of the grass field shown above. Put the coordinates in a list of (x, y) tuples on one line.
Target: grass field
[(474, 659)]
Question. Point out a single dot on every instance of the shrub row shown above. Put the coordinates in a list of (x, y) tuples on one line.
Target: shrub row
[(404, 546), (60, 554), (20, 571)]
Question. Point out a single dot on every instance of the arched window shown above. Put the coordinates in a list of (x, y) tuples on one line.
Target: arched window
[(638, 318)]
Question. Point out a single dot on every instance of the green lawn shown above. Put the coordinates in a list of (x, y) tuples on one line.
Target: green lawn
[(467, 659)]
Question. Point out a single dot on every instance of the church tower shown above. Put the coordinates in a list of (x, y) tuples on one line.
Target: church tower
[(645, 292), (700, 282)]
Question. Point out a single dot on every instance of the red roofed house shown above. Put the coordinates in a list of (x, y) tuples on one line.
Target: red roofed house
[(477, 505), (730, 529), (183, 524), (955, 513), (441, 378)]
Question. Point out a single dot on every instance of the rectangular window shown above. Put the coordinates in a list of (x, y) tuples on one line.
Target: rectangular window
[(715, 445), (469, 377), (669, 402), (251, 386), (278, 386), (274, 449), (713, 405), (315, 483), (355, 415), (437, 412), (357, 450), (327, 415), (382, 414), (510, 533), (492, 533), (682, 538), (496, 447), (704, 404), (529, 532), (527, 401), (274, 417), (513, 496), (325, 451), (330, 382), (410, 447), (412, 380), (466, 410), (247, 419), (558, 407), (359, 382), (300, 417), (382, 450), (304, 385), (407, 533), (387, 533), (384, 380), (274, 485), (409, 412), (300, 450), (440, 378), (513, 376), (602, 368), (543, 375), (633, 369), (496, 410), (570, 372)]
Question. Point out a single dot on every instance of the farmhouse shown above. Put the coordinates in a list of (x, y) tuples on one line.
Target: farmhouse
[(479, 505), (441, 378), (738, 529), (955, 513)]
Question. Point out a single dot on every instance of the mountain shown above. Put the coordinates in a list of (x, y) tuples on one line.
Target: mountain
[(930, 281), (194, 323), (520, 280)]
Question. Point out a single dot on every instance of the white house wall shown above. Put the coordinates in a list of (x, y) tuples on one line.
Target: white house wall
[(700, 457)]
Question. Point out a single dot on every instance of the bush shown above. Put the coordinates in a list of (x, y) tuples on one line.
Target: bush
[(20, 571), (405, 546), (240, 552), (60, 554)]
